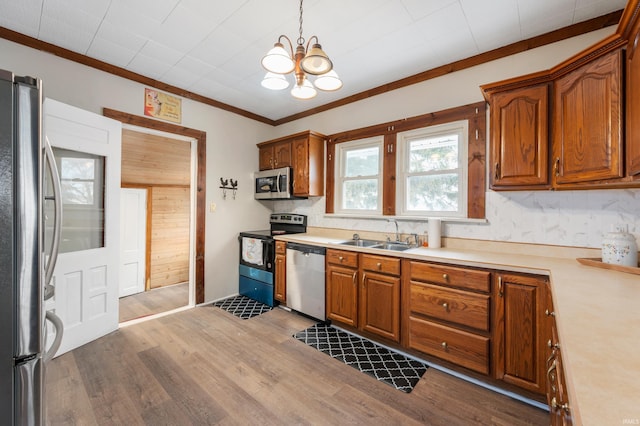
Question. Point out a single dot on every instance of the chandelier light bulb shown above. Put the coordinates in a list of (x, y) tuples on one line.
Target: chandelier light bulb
[(304, 90), (328, 82), (274, 81)]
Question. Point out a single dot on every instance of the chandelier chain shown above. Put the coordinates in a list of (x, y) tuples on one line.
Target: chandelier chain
[(301, 39)]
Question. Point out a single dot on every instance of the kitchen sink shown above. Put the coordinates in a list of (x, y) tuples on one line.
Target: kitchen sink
[(384, 245), (394, 246), (362, 243)]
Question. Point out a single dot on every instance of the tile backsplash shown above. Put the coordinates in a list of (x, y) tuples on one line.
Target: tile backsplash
[(563, 218)]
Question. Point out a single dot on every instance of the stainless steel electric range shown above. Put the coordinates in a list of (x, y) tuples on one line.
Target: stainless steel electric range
[(257, 255)]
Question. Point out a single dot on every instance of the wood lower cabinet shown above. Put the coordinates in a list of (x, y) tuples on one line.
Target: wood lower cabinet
[(556, 388), (588, 137), (280, 287), (446, 313), (520, 330), (520, 138), (379, 303), (363, 291), (342, 286)]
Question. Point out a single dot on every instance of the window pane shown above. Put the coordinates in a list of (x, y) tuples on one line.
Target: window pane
[(82, 184), (361, 162), (440, 153), (433, 193), (360, 194)]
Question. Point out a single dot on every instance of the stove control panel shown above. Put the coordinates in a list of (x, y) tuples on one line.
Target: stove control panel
[(289, 218)]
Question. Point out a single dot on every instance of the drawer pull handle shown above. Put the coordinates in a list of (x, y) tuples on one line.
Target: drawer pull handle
[(445, 305), (444, 345), (445, 277), (500, 292), (553, 346), (555, 405), (379, 265)]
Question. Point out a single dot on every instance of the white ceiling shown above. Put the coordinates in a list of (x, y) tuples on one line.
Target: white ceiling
[(213, 47)]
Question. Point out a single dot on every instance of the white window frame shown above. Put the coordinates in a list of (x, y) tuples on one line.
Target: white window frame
[(339, 178), (403, 139)]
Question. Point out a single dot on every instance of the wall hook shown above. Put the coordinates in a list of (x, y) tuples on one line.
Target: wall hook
[(228, 184)]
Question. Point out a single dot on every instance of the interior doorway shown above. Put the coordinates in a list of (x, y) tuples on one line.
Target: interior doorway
[(157, 177), (198, 189)]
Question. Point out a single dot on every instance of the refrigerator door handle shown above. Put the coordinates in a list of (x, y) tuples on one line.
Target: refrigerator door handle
[(57, 323), (57, 224)]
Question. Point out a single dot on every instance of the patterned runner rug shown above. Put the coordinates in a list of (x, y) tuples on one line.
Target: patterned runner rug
[(242, 306), (387, 366)]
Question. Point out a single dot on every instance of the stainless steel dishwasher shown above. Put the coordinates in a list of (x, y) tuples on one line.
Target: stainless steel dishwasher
[(305, 279)]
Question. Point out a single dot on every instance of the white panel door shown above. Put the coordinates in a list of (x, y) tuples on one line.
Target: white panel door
[(133, 239), (88, 149)]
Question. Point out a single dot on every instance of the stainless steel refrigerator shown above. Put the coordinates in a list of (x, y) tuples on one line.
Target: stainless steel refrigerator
[(26, 259)]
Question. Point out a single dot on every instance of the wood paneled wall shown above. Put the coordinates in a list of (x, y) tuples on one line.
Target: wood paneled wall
[(154, 160), (162, 165), (169, 236)]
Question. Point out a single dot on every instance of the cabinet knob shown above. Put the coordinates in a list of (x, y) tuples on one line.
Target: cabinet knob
[(549, 313), (445, 305), (340, 258), (445, 277), (552, 345), (379, 265), (444, 345)]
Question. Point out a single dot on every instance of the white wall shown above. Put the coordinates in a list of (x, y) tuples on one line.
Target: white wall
[(568, 218), (231, 149)]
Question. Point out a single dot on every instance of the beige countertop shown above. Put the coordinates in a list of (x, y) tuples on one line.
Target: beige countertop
[(597, 315)]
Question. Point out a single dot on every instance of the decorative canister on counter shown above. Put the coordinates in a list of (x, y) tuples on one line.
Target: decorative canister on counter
[(619, 247)]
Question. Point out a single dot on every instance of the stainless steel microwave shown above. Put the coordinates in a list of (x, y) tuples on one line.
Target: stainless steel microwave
[(275, 184)]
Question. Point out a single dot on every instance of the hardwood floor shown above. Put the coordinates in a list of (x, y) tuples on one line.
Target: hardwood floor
[(204, 366), (151, 302)]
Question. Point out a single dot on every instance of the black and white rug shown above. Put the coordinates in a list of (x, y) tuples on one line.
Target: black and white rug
[(381, 363), (242, 306)]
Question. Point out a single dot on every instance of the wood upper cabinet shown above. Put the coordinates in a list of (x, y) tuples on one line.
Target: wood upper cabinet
[(587, 142), (304, 152), (280, 287), (520, 138), (521, 330), (276, 155), (380, 296), (342, 286), (633, 101)]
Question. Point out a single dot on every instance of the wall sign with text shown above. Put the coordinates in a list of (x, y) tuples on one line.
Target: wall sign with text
[(162, 105)]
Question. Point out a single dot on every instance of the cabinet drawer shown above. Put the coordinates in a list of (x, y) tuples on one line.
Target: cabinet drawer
[(281, 247), (457, 306), (448, 275), (465, 349), (381, 264), (344, 258)]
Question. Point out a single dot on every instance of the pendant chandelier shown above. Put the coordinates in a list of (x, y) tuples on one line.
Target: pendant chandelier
[(278, 62)]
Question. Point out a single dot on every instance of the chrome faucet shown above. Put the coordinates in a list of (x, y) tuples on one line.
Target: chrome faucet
[(397, 233)]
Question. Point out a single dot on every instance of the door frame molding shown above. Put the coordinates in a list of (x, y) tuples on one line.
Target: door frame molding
[(201, 138)]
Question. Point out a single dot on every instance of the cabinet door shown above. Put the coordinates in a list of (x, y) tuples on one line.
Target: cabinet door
[(300, 161), (342, 294), (380, 305), (633, 103), (587, 144), (280, 287), (282, 154), (265, 159), (520, 331), (520, 138)]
